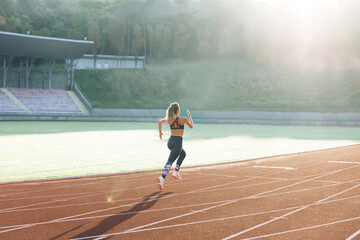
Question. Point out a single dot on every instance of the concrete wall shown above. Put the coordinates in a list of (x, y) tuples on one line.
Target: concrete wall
[(240, 117), (228, 117), (109, 61), (153, 115)]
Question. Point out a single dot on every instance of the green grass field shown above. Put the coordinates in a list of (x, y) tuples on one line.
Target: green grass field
[(33, 150)]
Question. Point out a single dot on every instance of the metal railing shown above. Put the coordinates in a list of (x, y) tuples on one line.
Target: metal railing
[(83, 98)]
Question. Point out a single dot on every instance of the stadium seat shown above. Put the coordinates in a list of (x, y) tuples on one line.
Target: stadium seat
[(7, 105), (46, 101)]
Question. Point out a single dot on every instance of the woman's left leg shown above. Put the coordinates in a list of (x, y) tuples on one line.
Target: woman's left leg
[(175, 147)]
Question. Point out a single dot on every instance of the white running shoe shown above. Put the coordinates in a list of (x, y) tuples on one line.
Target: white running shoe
[(177, 175), (160, 183)]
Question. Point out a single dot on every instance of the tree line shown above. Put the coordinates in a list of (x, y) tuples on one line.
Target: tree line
[(324, 34), (154, 28)]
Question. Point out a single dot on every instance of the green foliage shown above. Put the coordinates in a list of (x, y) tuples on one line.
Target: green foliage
[(197, 28), (137, 42), (94, 35), (208, 29), (117, 35), (221, 85), (159, 29), (44, 32)]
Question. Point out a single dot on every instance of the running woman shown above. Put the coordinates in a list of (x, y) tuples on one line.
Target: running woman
[(175, 141)]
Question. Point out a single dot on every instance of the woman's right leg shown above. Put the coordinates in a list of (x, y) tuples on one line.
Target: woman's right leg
[(182, 155)]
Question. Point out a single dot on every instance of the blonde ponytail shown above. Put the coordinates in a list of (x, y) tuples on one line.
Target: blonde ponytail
[(171, 112)]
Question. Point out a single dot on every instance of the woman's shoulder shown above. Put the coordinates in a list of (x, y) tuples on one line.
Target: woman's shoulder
[(182, 120)]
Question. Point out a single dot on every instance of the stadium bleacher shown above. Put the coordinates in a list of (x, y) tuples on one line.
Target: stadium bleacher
[(7, 105), (46, 101)]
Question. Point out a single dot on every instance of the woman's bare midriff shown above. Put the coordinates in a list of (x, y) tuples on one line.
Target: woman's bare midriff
[(177, 132)]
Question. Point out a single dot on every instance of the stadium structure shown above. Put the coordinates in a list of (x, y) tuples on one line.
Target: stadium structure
[(19, 99), (32, 96)]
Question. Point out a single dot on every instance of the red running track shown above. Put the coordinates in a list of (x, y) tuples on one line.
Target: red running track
[(313, 195)]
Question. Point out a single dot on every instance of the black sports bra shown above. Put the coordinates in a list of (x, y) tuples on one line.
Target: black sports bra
[(176, 125)]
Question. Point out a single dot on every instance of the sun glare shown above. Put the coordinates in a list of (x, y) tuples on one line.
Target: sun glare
[(304, 4), (306, 34)]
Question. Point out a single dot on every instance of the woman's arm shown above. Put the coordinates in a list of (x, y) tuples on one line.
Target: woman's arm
[(190, 121), (161, 121)]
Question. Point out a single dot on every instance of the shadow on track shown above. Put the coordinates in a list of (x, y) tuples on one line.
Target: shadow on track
[(107, 224)]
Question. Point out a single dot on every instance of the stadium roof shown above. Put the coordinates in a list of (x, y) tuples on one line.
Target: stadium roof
[(22, 45)]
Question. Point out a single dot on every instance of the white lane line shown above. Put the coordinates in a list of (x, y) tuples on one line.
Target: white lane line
[(184, 206), (306, 228), (211, 220), (82, 195), (198, 211), (246, 179), (112, 208), (101, 210), (243, 186), (217, 175), (70, 186), (15, 209), (23, 208), (120, 214), (95, 182), (64, 218), (19, 208), (287, 168), (343, 162), (299, 178), (230, 202), (287, 214), (354, 235), (110, 181), (184, 182)]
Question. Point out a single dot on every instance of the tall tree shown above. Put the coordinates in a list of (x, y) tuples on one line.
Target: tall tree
[(151, 38), (137, 43), (116, 34), (181, 39), (162, 40), (94, 35)]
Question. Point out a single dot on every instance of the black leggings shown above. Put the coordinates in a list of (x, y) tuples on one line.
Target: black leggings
[(176, 152)]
